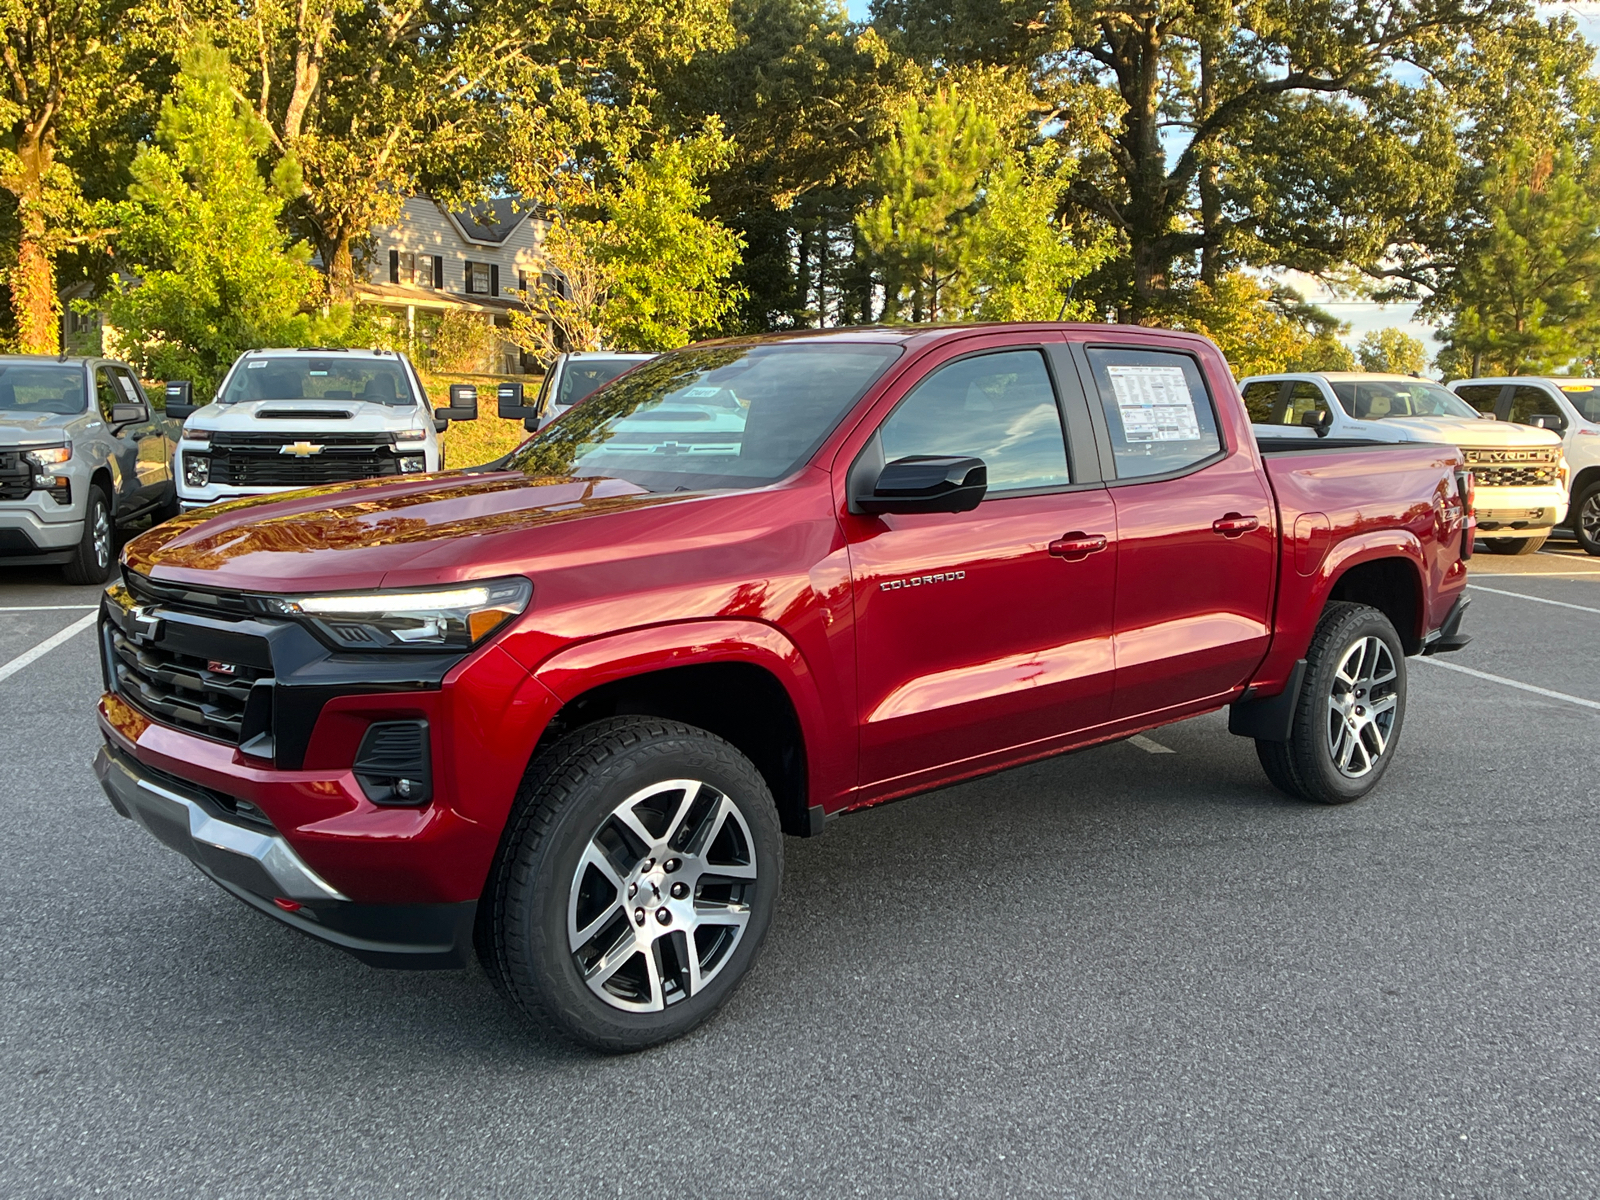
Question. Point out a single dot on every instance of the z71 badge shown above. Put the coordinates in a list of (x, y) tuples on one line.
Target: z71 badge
[(894, 585)]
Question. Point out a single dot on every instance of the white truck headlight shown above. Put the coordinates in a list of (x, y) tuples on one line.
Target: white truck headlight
[(196, 470), (454, 617)]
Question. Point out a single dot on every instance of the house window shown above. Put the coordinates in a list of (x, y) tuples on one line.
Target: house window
[(407, 266), (481, 279)]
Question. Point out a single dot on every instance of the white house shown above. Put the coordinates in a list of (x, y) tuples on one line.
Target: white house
[(432, 260)]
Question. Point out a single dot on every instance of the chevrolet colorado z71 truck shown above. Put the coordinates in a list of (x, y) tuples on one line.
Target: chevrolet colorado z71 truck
[(563, 711), (287, 419)]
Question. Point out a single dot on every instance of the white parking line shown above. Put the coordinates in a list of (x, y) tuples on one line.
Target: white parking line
[(1478, 587), (1515, 683), (50, 643), (51, 608), (1148, 746)]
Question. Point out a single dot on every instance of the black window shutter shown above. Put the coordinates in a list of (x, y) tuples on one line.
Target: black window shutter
[(394, 266), (438, 271), (494, 279)]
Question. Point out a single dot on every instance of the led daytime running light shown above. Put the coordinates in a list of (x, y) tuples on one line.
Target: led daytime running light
[(395, 602)]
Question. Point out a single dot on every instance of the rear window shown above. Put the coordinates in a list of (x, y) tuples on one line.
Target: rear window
[(42, 388), (583, 377), (1482, 396), (709, 417), (378, 381)]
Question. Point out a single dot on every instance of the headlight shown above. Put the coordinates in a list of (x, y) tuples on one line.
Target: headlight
[(413, 464), (199, 436), (451, 618), (196, 470), (49, 456), (412, 435)]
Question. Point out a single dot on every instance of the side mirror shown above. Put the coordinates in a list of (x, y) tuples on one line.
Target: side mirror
[(927, 484), (129, 414), (180, 400), (1319, 420), (510, 406), (463, 404), (1547, 421)]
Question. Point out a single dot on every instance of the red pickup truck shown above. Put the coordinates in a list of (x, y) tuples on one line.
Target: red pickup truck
[(562, 710)]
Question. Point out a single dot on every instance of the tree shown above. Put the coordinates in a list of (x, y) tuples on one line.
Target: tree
[(1392, 351), (646, 271), (1261, 329), (213, 272)]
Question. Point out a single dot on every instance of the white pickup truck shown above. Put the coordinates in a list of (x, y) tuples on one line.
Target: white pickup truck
[(1569, 408), (297, 418), (1519, 471)]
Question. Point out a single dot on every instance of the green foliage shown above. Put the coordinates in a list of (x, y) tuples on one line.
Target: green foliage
[(1392, 351), (461, 341), (1259, 329), (213, 272)]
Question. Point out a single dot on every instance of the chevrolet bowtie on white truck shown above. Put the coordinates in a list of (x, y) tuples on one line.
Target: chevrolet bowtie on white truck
[(1569, 408), (297, 418), (81, 451), (1520, 472)]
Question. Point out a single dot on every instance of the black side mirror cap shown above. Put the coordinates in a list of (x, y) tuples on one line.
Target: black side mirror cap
[(927, 484), (1320, 420), (463, 404), (180, 403), (129, 414), (509, 397), (1547, 421)]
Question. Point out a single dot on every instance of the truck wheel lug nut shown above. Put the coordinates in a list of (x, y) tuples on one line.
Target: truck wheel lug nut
[(680, 890), (638, 916), (633, 890), (646, 865), (664, 916), (671, 865)]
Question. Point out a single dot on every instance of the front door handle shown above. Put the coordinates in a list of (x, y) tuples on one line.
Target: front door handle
[(1233, 525), (1076, 545)]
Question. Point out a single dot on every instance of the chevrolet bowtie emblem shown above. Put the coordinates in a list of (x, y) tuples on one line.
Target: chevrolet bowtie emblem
[(301, 449)]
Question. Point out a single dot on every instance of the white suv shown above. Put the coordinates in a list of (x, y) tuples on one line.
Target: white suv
[(1520, 473), (1570, 408), (299, 418)]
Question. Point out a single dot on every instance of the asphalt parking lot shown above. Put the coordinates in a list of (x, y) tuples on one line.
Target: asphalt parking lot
[(1119, 973)]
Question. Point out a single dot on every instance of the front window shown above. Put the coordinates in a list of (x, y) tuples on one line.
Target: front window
[(1374, 400), (709, 417), (42, 388), (374, 380)]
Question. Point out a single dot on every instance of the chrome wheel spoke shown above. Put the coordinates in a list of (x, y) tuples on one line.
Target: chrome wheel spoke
[(1362, 704)]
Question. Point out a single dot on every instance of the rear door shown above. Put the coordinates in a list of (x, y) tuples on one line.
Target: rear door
[(983, 631), (1196, 530)]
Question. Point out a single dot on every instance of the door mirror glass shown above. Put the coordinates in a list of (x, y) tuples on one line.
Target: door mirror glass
[(129, 414), (927, 484)]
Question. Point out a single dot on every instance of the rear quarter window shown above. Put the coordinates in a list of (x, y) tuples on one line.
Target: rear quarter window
[(1157, 408)]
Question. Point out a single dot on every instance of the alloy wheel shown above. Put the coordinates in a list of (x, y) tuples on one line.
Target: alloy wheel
[(1589, 517), (102, 536), (1361, 707), (661, 895)]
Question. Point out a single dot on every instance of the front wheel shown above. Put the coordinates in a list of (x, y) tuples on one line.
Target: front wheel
[(1352, 705), (1511, 545), (1586, 522), (635, 884), (93, 556)]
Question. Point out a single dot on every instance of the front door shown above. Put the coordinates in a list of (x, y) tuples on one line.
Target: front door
[(987, 630), (1195, 533), (153, 457)]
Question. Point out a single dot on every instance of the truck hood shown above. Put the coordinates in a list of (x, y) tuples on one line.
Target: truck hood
[(1469, 431), (36, 429), (294, 417), (427, 529)]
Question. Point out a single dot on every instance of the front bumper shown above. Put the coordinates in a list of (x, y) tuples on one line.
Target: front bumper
[(39, 531), (1524, 511), (255, 863)]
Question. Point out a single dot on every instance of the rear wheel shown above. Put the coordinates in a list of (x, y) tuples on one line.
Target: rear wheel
[(92, 559), (1510, 545), (1351, 708), (1586, 520), (636, 883)]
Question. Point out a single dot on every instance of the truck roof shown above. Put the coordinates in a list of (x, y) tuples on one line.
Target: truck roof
[(293, 352)]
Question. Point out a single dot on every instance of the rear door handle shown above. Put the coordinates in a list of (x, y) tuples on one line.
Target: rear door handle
[(1234, 524), (1078, 545)]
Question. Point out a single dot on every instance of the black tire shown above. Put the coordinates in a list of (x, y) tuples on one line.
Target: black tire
[(1305, 766), (1586, 518), (1511, 545), (96, 552), (566, 807)]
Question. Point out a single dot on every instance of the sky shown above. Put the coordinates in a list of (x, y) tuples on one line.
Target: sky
[(1364, 316)]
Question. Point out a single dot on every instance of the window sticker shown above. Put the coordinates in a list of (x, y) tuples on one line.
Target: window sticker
[(251, 366), (1155, 404), (701, 393), (128, 389)]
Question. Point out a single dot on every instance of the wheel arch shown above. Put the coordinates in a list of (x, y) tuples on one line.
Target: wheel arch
[(742, 681), (1390, 583)]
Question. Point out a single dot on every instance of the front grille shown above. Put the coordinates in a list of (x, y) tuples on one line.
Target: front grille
[(182, 689), (16, 475), (176, 595), (258, 459), (1514, 476), (1534, 467)]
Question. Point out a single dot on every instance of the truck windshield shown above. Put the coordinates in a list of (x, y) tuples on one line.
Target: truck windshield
[(308, 378), (1583, 395), (582, 376), (709, 416), (42, 388), (1378, 399)]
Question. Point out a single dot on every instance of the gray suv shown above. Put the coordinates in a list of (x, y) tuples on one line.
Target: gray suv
[(82, 451)]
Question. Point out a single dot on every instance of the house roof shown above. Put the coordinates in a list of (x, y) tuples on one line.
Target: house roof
[(490, 222)]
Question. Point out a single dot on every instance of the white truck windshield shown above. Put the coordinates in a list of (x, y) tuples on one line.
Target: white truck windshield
[(376, 381), (1380, 399)]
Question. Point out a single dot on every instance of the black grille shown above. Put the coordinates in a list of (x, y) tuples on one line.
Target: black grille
[(174, 595), (392, 752), (183, 689), (16, 475), (302, 414), (16, 542), (274, 442), (258, 459), (1529, 476)]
